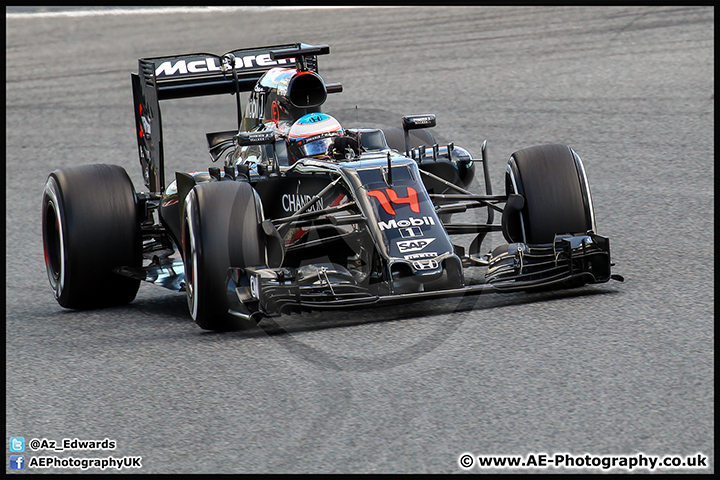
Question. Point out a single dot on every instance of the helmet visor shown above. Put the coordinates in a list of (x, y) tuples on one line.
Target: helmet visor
[(317, 147)]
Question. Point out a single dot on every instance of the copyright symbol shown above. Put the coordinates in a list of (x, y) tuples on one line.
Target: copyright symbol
[(466, 460), (34, 444)]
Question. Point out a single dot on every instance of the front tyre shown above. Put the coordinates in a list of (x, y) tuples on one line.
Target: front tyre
[(551, 179), (90, 227), (221, 229)]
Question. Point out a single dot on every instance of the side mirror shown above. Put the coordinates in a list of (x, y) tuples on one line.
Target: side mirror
[(245, 139), (413, 122)]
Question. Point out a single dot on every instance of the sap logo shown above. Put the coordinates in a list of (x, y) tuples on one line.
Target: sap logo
[(211, 64), (410, 222), (429, 264), (420, 256), (406, 246), (292, 202), (411, 199)]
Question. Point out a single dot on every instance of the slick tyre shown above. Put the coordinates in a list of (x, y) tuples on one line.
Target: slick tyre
[(90, 227), (221, 229), (551, 179)]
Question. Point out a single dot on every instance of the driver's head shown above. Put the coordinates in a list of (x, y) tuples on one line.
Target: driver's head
[(313, 135)]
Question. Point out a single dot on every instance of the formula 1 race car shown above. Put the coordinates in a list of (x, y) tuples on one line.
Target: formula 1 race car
[(303, 214)]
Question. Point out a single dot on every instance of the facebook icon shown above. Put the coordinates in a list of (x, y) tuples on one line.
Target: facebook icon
[(17, 462)]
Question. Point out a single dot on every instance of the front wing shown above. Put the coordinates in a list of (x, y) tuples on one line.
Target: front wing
[(570, 261)]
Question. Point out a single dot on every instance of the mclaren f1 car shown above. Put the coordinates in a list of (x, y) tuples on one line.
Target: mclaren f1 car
[(297, 213)]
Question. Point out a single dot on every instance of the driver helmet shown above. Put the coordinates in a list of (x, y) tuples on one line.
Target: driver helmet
[(313, 135)]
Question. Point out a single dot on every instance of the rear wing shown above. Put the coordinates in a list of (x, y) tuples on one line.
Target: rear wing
[(199, 74)]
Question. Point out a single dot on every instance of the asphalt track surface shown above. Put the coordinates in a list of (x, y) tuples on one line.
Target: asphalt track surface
[(615, 369)]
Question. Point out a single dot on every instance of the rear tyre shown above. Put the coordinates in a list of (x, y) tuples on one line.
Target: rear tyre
[(221, 229), (90, 227), (557, 199)]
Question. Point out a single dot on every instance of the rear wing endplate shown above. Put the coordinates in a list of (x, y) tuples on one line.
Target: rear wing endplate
[(193, 75)]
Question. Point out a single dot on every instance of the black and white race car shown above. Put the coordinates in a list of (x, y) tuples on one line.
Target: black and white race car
[(300, 213)]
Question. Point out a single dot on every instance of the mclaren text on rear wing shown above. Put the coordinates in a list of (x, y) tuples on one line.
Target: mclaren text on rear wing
[(192, 75)]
